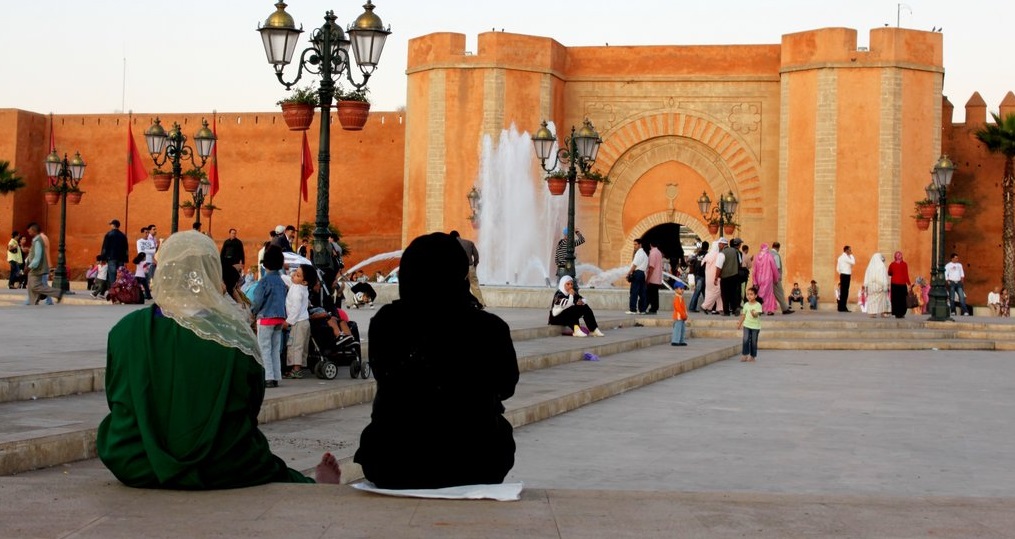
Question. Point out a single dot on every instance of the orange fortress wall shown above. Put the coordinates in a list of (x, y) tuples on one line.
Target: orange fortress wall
[(824, 144)]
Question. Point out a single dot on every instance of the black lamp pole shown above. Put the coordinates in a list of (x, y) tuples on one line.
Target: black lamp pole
[(327, 56), (64, 175), (942, 178), (580, 151), (174, 152), (724, 210)]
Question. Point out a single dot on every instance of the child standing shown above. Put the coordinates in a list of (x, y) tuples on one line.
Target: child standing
[(268, 305), (101, 278), (141, 274), (750, 320), (297, 321), (915, 299), (679, 315)]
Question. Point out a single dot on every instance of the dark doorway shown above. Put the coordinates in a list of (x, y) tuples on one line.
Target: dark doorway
[(667, 238)]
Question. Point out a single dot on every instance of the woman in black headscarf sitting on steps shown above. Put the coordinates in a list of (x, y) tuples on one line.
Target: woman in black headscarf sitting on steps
[(443, 368)]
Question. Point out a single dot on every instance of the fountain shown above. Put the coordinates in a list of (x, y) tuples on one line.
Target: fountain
[(520, 222)]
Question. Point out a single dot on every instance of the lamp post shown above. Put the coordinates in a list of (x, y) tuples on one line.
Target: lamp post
[(64, 176), (327, 56), (579, 151), (938, 193), (475, 205), (724, 210), (175, 151), (198, 195)]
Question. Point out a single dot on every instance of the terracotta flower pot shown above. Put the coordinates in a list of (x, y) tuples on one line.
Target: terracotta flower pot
[(729, 229), (190, 183), (948, 226), (74, 197), (587, 187), (956, 210), (162, 181), (206, 212), (928, 211), (556, 185), (52, 197), (352, 114), (713, 228), (923, 224), (188, 211), (298, 116)]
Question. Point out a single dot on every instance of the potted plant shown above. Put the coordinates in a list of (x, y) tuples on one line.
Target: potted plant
[(353, 108), (729, 228), (207, 209), (163, 180), (74, 195), (957, 207), (298, 108), (922, 223), (188, 209), (926, 208), (950, 222), (556, 181), (52, 195), (589, 181), (192, 179), (713, 226)]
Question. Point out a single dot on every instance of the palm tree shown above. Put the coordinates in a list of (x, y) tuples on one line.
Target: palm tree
[(999, 138), (9, 179)]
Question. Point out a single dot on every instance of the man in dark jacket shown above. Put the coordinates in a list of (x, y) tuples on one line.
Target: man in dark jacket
[(114, 248), (232, 251)]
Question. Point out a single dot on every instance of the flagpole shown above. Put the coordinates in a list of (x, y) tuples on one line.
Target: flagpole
[(126, 202)]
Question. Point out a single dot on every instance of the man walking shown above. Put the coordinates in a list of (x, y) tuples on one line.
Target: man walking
[(727, 277), (638, 295), (114, 248), (232, 251), (777, 290), (473, 253), (145, 246), (654, 277), (956, 277), (14, 258), (845, 270), (284, 236), (697, 268), (38, 268)]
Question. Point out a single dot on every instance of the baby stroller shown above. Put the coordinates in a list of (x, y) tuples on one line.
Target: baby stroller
[(326, 354), (357, 294)]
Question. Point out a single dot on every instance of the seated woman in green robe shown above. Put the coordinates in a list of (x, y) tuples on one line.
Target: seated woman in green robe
[(184, 383)]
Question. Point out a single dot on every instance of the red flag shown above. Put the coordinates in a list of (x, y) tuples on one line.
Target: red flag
[(306, 167), (136, 172), (213, 170)]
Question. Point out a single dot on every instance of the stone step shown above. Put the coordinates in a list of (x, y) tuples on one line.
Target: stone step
[(784, 333), (873, 343), (45, 432), (41, 385), (300, 441)]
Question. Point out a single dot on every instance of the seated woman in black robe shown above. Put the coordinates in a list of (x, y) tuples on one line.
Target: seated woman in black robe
[(442, 368), (569, 307)]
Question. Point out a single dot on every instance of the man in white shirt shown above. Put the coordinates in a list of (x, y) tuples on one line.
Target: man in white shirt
[(955, 277), (638, 302), (845, 269)]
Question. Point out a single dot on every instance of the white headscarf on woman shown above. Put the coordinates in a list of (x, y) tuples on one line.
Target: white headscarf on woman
[(188, 288), (876, 278), (563, 281)]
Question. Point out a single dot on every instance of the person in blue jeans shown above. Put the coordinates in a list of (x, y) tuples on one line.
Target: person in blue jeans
[(750, 320), (638, 301), (698, 270), (955, 276), (269, 307)]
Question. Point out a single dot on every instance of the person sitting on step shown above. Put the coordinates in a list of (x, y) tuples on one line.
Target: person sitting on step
[(569, 307)]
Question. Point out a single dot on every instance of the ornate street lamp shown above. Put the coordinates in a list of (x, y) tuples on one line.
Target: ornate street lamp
[(475, 205), (724, 210), (327, 56), (937, 192), (199, 195), (64, 176), (172, 147), (579, 151)]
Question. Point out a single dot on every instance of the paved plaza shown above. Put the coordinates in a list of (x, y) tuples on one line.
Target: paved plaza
[(804, 443)]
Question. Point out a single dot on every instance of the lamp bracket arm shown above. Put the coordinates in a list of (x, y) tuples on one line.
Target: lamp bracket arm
[(303, 64)]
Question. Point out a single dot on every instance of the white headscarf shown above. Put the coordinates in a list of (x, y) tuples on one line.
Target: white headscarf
[(876, 278), (563, 281), (188, 288)]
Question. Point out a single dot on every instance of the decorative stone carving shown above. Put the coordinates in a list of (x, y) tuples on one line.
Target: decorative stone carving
[(745, 118)]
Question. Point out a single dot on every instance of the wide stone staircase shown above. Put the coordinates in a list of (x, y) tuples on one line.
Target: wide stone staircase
[(51, 418)]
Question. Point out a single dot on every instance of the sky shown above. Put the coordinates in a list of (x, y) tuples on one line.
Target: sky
[(106, 56)]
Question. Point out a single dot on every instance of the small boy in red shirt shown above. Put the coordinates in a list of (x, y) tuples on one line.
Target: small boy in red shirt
[(679, 315)]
